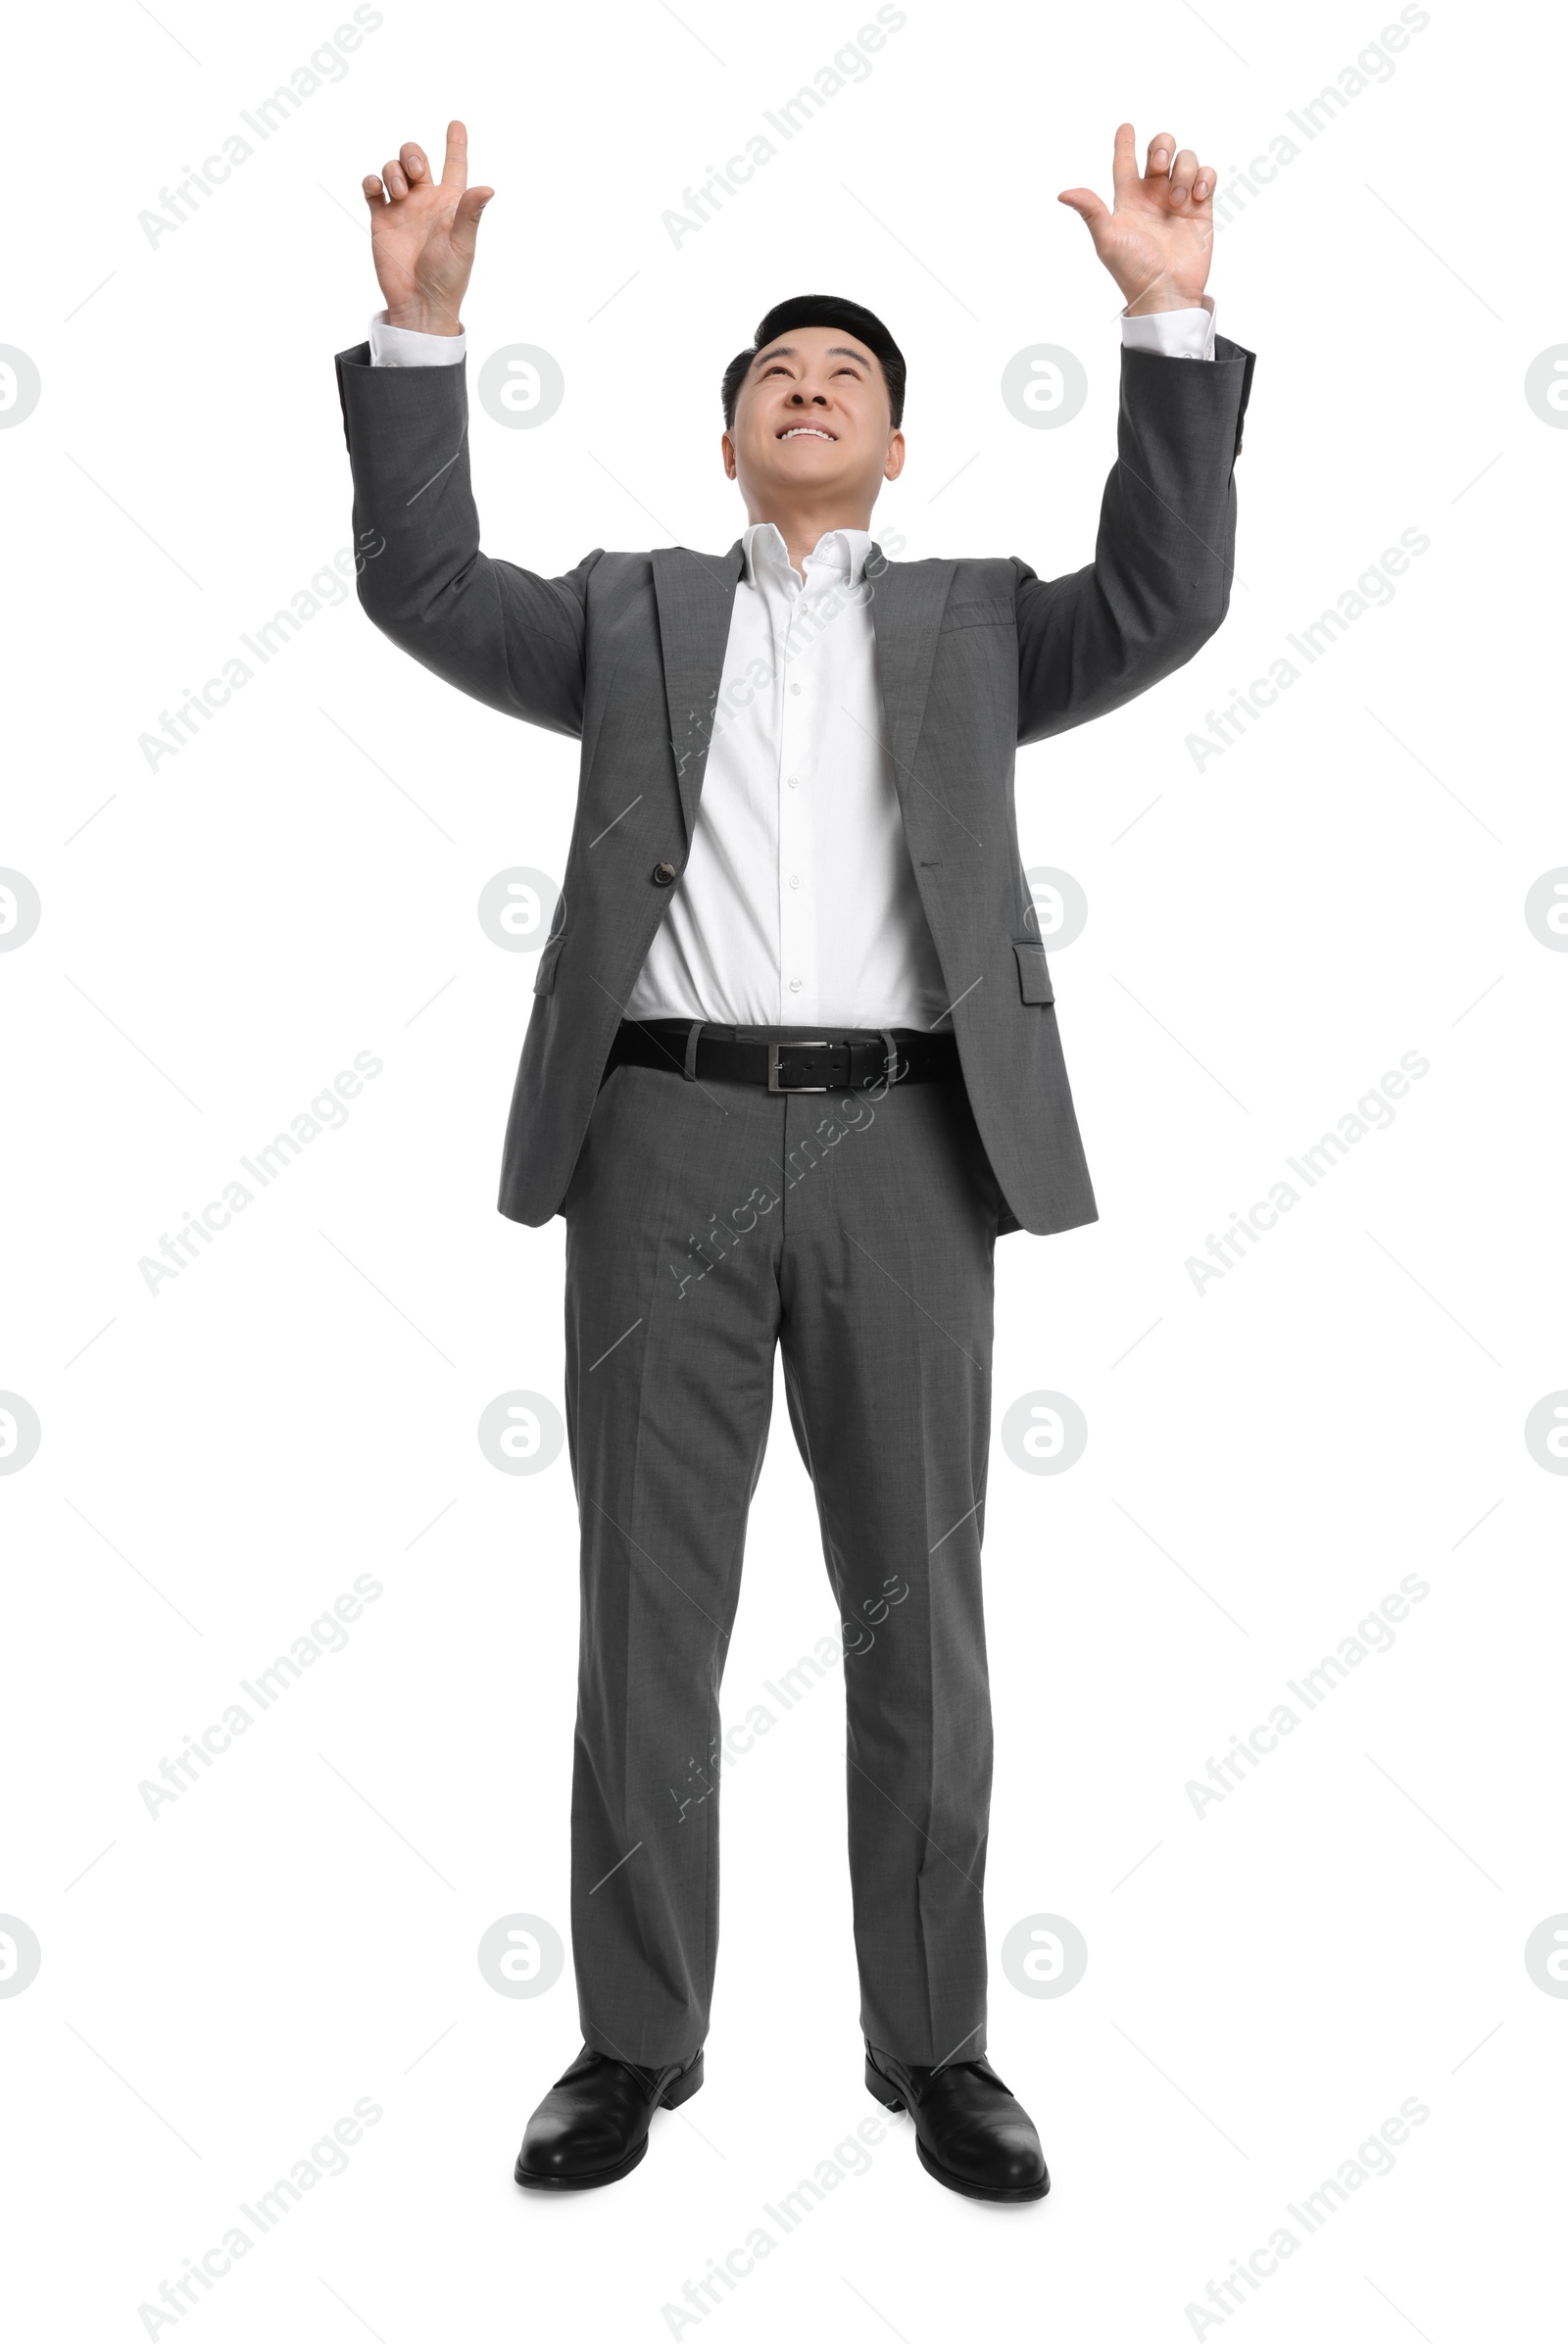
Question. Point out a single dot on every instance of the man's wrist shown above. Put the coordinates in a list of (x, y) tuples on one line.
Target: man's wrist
[(1164, 297), (417, 319)]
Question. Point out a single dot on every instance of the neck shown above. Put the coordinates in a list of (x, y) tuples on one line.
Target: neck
[(801, 526)]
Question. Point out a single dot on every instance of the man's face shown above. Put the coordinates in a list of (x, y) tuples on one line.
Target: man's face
[(813, 420)]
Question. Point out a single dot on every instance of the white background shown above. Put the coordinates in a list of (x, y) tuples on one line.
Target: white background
[(1267, 1981)]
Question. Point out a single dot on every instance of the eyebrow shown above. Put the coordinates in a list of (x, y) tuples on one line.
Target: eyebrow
[(788, 350)]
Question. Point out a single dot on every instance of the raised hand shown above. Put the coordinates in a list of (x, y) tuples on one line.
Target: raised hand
[(423, 233), (1158, 238)]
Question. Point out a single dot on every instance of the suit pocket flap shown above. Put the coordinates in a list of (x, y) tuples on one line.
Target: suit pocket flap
[(544, 975), (1033, 977)]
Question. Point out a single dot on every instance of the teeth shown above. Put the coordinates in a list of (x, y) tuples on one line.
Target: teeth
[(804, 431)]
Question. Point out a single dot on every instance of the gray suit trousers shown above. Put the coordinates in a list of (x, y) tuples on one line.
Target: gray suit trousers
[(705, 1223)]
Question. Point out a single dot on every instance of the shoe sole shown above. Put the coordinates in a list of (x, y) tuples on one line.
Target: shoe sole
[(679, 2090), (1024, 2193)]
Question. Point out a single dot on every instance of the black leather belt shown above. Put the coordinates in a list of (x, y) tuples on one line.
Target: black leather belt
[(837, 1062)]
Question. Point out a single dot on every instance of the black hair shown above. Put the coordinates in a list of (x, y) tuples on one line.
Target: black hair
[(821, 308)]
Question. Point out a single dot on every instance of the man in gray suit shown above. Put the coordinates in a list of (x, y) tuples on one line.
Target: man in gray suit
[(793, 1066)]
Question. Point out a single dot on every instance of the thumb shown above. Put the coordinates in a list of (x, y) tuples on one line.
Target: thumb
[(465, 219), (1088, 206)]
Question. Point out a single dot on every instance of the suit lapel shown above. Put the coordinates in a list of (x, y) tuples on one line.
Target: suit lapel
[(908, 600), (696, 595)]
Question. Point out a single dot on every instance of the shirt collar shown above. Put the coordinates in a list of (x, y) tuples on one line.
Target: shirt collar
[(846, 550)]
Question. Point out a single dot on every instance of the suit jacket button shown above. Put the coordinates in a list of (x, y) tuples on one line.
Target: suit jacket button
[(665, 874)]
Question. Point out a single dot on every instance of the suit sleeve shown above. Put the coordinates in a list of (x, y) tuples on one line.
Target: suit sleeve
[(1160, 582), (504, 635)]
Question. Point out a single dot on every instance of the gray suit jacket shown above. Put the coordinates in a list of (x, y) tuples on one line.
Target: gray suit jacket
[(625, 653)]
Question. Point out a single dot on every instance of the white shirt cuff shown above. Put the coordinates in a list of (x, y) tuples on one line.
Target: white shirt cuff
[(397, 345), (1171, 334)]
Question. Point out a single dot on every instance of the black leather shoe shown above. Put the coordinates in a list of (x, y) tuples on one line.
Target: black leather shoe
[(592, 2126), (969, 2131)]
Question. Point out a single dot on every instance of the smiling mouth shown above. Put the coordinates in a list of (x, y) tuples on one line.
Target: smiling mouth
[(807, 431)]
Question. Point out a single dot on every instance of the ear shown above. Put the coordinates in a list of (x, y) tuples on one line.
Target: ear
[(726, 450), (895, 458)]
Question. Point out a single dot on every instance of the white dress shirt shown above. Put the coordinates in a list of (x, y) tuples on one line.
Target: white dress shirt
[(797, 905)]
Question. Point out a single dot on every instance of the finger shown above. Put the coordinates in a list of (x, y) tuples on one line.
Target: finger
[(454, 169), (1161, 147), (1087, 204), (373, 192), (397, 186), (1204, 184), (1124, 159), (1183, 171), (415, 165), (467, 217)]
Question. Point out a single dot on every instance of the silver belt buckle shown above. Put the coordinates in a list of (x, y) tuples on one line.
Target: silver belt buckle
[(785, 1090)]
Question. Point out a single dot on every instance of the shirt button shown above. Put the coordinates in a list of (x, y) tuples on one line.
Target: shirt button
[(795, 984), (795, 781), (794, 881), (796, 689), (663, 874)]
